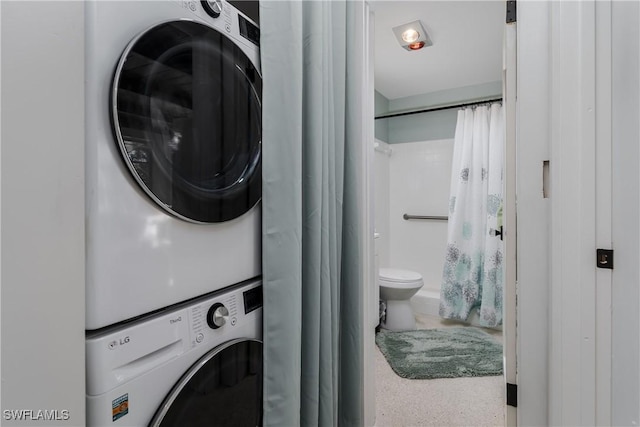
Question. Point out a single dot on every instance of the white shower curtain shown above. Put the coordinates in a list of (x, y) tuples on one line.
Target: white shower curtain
[(473, 273)]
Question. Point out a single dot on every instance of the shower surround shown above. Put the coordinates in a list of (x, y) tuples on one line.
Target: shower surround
[(414, 180)]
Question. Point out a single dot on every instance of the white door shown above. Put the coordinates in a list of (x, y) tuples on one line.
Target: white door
[(625, 367), (509, 324)]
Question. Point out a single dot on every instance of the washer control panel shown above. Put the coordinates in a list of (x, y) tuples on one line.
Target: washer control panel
[(213, 317), (118, 355)]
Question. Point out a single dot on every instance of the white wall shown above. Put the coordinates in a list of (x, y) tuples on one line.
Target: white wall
[(420, 176), (42, 308), (382, 125)]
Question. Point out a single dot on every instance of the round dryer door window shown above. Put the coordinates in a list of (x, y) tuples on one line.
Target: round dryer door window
[(186, 111), (223, 388)]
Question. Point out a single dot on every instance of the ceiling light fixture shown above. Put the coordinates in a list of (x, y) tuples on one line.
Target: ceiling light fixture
[(412, 36)]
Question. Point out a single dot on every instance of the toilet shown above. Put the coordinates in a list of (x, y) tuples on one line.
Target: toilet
[(396, 289)]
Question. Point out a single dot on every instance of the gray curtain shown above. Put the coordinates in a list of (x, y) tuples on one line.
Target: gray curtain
[(312, 63)]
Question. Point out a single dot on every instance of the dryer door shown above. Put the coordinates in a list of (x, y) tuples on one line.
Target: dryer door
[(224, 388), (186, 113)]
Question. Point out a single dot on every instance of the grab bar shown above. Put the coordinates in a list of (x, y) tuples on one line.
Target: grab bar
[(437, 218)]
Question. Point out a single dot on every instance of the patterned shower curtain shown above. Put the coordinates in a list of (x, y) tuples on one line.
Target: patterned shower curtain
[(473, 273)]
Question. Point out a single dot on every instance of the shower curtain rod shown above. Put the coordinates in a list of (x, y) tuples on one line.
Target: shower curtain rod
[(443, 107)]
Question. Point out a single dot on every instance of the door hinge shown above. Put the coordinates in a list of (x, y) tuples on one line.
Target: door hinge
[(604, 258), (512, 395), (511, 11)]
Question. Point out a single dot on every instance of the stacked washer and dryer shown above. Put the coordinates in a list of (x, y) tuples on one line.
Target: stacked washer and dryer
[(173, 184)]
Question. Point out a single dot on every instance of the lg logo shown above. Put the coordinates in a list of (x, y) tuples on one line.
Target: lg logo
[(122, 341)]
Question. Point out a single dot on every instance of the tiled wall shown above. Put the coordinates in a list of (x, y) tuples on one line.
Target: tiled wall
[(381, 200), (419, 178)]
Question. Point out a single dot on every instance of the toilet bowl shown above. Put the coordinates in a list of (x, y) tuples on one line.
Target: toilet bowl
[(396, 289)]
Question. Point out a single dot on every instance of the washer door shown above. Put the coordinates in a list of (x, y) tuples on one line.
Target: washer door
[(224, 388), (186, 112)]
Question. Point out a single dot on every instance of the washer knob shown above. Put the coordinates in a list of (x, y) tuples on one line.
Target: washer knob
[(212, 7), (217, 316)]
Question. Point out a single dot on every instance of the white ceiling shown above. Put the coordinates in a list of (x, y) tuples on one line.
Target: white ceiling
[(467, 46)]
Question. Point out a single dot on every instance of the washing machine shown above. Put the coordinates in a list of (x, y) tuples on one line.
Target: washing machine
[(196, 364), (173, 154)]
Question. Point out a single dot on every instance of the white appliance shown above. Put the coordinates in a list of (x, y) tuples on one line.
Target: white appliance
[(173, 154), (194, 365)]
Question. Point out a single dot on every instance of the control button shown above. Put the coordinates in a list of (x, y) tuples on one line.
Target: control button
[(192, 6), (212, 7), (217, 315), (234, 321), (199, 337), (228, 28)]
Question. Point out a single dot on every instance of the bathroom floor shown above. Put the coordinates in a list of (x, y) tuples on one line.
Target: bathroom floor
[(477, 401)]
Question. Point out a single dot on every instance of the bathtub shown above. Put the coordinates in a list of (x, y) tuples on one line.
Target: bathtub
[(427, 302)]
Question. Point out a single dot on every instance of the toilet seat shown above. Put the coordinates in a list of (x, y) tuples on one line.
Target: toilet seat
[(398, 278)]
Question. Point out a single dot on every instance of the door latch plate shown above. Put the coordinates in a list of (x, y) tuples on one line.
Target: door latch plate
[(604, 258)]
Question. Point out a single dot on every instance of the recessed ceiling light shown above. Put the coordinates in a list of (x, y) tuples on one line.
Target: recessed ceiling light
[(412, 36)]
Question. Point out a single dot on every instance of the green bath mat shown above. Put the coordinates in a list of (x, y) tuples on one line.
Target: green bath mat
[(441, 353)]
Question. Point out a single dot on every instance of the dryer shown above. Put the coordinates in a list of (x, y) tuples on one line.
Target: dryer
[(173, 154), (197, 364)]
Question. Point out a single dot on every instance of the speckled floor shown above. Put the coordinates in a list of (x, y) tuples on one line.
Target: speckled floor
[(475, 401)]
